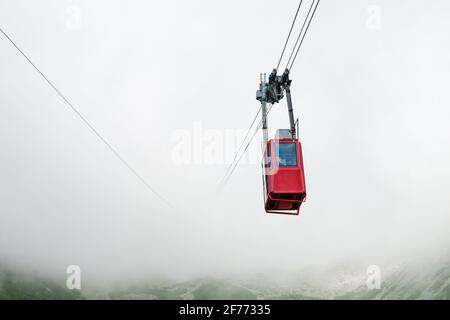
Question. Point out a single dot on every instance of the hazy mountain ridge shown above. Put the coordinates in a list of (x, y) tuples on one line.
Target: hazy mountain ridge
[(403, 281), (428, 280)]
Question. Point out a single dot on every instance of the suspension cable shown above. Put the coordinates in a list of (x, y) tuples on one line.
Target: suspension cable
[(289, 34), (89, 125), (242, 143), (299, 35), (227, 177), (304, 34)]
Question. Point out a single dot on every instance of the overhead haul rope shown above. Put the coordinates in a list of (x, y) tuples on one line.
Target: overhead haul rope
[(289, 34), (90, 126), (304, 34), (240, 146), (299, 34), (227, 177)]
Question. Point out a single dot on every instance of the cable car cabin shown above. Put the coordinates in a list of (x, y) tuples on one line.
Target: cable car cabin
[(284, 185)]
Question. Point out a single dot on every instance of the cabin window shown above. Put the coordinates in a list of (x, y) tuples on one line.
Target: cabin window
[(287, 154)]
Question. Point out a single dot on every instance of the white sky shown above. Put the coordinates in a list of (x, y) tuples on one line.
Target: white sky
[(373, 105)]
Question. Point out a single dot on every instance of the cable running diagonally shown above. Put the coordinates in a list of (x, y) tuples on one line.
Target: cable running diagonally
[(90, 126), (304, 34), (225, 180), (300, 34), (240, 146), (289, 34)]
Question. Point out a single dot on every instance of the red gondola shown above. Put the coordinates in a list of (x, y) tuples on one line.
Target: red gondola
[(283, 174), (284, 178)]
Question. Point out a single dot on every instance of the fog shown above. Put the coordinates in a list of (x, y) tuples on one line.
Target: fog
[(369, 86)]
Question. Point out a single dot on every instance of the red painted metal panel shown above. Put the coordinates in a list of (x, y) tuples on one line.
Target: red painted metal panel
[(285, 188)]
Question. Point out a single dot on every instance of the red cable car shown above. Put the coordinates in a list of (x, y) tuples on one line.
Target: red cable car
[(283, 174), (284, 177)]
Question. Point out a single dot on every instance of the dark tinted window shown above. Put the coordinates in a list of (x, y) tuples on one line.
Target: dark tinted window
[(287, 154)]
